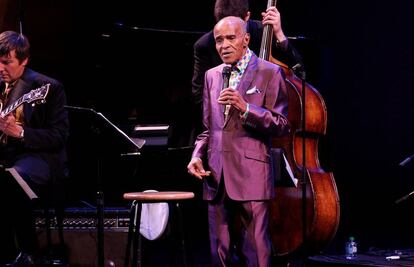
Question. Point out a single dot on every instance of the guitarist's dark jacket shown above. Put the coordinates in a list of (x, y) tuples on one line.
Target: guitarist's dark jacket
[(46, 125)]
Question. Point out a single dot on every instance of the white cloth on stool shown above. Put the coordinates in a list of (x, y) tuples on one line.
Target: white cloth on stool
[(154, 219)]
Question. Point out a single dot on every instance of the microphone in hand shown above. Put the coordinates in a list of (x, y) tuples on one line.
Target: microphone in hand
[(226, 78)]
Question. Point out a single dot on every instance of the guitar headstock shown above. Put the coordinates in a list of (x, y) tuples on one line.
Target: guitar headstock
[(38, 95)]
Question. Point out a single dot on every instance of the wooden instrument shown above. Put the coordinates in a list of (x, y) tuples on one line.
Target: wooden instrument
[(312, 206)]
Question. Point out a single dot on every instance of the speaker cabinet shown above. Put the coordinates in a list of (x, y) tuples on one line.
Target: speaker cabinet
[(81, 246)]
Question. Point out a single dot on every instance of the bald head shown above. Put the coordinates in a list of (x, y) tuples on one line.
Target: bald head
[(231, 39), (232, 21)]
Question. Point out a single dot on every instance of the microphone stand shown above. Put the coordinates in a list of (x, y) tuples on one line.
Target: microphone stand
[(304, 206), (403, 164), (298, 68), (21, 15), (406, 161), (100, 206), (403, 198)]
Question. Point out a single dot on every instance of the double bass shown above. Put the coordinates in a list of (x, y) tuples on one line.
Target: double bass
[(305, 216)]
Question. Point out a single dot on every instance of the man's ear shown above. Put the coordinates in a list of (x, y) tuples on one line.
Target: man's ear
[(247, 17), (246, 40), (25, 61)]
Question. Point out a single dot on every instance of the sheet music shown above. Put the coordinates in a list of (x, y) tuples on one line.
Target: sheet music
[(289, 170), (29, 192)]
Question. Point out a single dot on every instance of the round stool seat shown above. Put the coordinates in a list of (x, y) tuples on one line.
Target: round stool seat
[(158, 196), (142, 214)]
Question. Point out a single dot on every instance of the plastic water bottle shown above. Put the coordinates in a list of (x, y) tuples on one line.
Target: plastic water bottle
[(351, 248)]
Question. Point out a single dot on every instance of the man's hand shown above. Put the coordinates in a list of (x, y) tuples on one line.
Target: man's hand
[(10, 127), (232, 97), (272, 17), (195, 168)]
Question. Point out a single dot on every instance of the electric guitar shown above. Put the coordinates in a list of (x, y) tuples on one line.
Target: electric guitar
[(36, 96)]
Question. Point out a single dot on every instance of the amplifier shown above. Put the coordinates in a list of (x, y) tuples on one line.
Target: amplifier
[(86, 218), (81, 239)]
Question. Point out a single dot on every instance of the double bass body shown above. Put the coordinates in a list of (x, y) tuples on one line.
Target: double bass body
[(322, 202), (305, 216)]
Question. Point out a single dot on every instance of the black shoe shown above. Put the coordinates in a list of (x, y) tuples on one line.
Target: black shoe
[(24, 260)]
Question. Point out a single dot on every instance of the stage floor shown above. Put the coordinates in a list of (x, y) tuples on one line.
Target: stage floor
[(388, 258)]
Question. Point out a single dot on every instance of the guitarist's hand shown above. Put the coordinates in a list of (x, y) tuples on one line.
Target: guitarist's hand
[(10, 127)]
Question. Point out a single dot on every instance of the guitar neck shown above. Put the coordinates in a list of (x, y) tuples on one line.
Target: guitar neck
[(10, 108), (34, 96)]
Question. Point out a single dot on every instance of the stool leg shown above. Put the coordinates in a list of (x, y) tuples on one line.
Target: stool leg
[(180, 224), (48, 230), (130, 232), (136, 242)]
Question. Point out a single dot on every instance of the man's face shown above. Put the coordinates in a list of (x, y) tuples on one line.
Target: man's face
[(231, 40), (10, 67)]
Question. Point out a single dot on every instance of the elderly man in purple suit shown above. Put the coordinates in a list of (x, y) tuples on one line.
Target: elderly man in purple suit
[(240, 116)]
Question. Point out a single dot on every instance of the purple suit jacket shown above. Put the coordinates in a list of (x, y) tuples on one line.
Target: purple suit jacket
[(239, 149)]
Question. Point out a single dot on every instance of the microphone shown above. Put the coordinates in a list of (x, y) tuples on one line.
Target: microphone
[(226, 78), (406, 161)]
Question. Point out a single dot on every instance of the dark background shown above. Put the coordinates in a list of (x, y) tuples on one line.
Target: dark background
[(358, 55)]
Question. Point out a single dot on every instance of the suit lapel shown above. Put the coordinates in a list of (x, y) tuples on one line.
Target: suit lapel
[(248, 76), (219, 111), (245, 82), (23, 86), (16, 92)]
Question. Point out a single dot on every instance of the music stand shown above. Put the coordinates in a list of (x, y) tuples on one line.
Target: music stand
[(102, 132), (22, 183)]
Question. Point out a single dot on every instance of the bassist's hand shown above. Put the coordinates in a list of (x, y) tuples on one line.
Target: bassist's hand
[(272, 17)]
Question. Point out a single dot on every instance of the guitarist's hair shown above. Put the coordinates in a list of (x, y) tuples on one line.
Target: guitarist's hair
[(11, 40)]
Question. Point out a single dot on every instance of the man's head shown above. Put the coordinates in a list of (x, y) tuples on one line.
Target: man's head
[(14, 55), (226, 8), (231, 39)]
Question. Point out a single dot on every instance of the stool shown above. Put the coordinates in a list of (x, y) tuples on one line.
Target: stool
[(134, 236), (52, 199)]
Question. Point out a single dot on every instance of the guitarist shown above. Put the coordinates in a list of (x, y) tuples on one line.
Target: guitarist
[(32, 142)]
